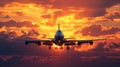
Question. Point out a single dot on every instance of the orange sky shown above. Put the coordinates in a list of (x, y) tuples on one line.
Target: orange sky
[(81, 19)]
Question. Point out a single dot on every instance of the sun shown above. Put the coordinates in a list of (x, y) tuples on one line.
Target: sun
[(56, 46)]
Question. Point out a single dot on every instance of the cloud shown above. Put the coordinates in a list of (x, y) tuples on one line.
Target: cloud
[(96, 30), (91, 8), (13, 23), (87, 4), (17, 47), (46, 16), (96, 48), (113, 15), (2, 3), (100, 47), (14, 34), (20, 13), (91, 13), (102, 50), (114, 47), (60, 61), (67, 3), (28, 35), (33, 55), (7, 16), (3, 35)]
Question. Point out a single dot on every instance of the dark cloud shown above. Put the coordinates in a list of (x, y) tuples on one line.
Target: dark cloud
[(5, 2), (1, 61), (96, 30), (13, 34), (113, 15), (33, 55), (29, 34), (17, 47), (68, 3), (107, 49), (114, 47), (100, 47), (60, 61), (92, 8), (91, 13), (86, 4), (3, 35), (13, 23), (7, 16)]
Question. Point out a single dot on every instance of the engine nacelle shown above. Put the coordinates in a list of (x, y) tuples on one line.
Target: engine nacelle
[(39, 43), (91, 42), (79, 43), (26, 42)]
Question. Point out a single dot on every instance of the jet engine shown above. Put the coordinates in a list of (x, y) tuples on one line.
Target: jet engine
[(79, 43), (39, 43), (91, 42), (27, 42)]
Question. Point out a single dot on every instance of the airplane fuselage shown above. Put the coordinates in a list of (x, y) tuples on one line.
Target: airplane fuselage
[(59, 38)]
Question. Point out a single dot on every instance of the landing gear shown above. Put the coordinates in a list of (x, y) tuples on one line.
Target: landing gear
[(61, 47), (68, 47), (56, 47), (39, 43), (91, 42), (26, 43), (49, 47)]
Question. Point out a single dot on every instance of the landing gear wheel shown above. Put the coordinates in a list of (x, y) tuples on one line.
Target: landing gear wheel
[(49, 47), (61, 47), (56, 47), (68, 47)]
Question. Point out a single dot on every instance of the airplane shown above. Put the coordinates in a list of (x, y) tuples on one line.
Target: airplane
[(59, 40)]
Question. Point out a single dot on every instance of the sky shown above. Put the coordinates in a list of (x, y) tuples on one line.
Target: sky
[(79, 19)]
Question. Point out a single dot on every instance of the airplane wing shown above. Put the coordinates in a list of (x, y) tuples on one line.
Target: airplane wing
[(36, 41), (45, 42), (79, 42)]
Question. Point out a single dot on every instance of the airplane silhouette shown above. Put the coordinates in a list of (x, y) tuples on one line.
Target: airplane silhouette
[(59, 40)]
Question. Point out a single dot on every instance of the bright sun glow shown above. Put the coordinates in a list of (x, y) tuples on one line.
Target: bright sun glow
[(55, 46)]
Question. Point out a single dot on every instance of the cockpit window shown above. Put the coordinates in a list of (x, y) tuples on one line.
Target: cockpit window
[(59, 30)]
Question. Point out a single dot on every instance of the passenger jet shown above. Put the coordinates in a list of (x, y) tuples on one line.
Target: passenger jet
[(59, 40)]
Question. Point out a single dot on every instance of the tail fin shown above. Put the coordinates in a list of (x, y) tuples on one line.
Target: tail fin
[(58, 26)]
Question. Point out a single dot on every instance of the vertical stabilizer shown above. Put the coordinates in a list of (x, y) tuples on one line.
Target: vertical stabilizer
[(58, 26)]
